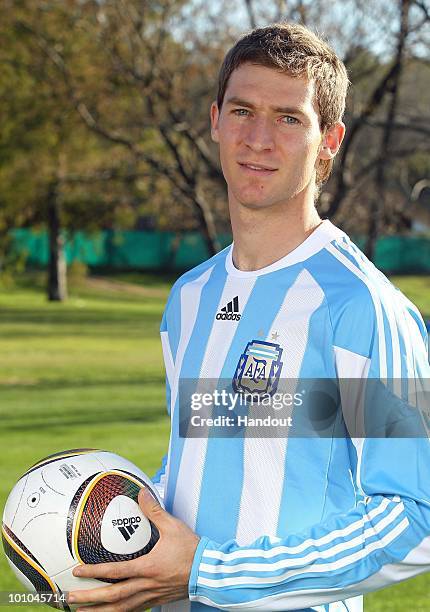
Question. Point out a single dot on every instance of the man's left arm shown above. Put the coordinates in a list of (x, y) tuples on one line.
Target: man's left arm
[(159, 478), (383, 540)]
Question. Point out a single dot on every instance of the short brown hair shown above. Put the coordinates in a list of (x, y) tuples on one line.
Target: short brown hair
[(292, 48)]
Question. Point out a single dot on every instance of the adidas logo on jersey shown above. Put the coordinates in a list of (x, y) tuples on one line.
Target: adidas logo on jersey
[(230, 312), (127, 526)]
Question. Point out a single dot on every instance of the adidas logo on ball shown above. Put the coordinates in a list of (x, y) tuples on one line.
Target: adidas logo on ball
[(126, 521), (127, 526)]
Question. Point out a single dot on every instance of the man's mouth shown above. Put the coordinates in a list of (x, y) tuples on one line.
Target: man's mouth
[(257, 168)]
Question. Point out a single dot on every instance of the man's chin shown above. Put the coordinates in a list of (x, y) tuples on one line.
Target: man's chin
[(253, 200), (255, 205), (259, 204)]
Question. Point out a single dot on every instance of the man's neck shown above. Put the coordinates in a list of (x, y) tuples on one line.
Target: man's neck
[(263, 236)]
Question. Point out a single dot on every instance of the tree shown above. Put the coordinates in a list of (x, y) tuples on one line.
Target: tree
[(148, 112), (393, 88), (53, 167), (109, 101)]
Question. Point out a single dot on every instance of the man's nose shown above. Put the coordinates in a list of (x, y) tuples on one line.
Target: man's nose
[(258, 135)]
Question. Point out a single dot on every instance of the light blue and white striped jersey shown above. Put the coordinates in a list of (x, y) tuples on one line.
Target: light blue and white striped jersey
[(296, 523)]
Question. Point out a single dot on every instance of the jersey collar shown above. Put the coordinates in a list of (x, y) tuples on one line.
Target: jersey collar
[(325, 233)]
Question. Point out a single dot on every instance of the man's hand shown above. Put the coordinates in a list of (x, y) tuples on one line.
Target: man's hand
[(159, 577)]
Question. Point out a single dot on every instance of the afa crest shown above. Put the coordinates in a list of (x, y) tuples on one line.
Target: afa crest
[(259, 368)]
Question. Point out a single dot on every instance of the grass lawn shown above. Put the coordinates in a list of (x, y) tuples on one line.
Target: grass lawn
[(89, 373)]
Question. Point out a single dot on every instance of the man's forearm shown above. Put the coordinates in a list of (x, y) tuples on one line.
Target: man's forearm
[(378, 543)]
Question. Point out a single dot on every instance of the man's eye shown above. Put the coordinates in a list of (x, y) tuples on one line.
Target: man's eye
[(241, 112), (289, 120)]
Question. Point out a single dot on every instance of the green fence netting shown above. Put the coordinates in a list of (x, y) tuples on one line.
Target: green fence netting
[(154, 250), (149, 250)]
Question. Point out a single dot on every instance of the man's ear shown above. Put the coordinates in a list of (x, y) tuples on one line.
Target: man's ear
[(332, 139), (214, 122)]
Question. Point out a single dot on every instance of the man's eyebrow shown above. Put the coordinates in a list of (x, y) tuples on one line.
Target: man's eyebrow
[(288, 110), (284, 110), (240, 102)]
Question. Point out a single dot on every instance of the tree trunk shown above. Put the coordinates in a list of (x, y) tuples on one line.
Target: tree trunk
[(378, 210), (57, 272), (376, 215), (207, 225)]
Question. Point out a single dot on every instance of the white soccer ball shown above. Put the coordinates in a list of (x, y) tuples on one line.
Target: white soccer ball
[(74, 507)]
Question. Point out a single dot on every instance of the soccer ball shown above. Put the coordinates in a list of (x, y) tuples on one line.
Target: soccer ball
[(77, 506)]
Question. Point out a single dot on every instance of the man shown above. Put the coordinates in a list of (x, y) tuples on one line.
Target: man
[(283, 522)]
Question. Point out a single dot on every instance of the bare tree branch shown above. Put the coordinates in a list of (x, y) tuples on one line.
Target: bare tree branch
[(251, 14), (357, 124), (399, 125), (421, 4), (378, 209)]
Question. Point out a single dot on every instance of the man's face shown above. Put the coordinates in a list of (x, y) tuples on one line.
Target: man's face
[(269, 136)]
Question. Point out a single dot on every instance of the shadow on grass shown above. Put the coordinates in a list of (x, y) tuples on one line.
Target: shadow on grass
[(36, 279), (82, 323), (62, 384), (76, 315), (146, 279), (35, 284), (146, 415)]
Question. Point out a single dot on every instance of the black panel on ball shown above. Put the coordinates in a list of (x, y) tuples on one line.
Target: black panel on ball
[(17, 555), (104, 490)]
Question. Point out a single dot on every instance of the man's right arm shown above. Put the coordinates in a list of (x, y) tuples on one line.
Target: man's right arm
[(159, 478)]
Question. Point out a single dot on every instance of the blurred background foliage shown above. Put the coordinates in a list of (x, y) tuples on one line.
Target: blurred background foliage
[(104, 107)]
